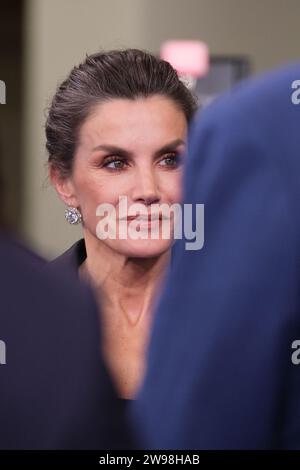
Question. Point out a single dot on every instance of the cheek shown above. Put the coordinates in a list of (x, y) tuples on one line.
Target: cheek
[(93, 190), (172, 186)]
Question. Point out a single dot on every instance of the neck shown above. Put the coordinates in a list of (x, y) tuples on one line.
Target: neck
[(127, 284)]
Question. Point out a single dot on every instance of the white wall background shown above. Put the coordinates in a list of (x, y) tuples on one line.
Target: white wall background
[(58, 34)]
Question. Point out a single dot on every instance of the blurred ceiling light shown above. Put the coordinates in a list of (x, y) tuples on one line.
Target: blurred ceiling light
[(189, 58)]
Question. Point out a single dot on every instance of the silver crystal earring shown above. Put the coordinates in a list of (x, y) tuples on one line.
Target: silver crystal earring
[(73, 215)]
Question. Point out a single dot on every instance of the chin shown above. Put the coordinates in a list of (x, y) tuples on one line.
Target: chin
[(144, 248)]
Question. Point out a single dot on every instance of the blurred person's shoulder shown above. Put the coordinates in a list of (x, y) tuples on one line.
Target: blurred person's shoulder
[(13, 248), (252, 95), (254, 124), (51, 326), (22, 268)]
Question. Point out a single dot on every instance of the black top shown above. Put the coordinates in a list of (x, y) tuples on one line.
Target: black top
[(72, 258)]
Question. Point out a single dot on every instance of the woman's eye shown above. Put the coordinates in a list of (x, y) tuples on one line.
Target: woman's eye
[(114, 163), (171, 160)]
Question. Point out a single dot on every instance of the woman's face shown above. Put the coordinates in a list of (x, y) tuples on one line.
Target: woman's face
[(129, 148)]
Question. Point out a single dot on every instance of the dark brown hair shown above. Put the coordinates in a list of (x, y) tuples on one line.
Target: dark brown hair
[(129, 73)]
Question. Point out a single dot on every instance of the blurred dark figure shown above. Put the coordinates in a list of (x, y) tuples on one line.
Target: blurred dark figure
[(11, 73), (54, 390), (1, 190), (220, 372)]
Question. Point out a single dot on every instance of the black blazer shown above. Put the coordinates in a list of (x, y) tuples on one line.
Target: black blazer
[(71, 259), (69, 262), (55, 392)]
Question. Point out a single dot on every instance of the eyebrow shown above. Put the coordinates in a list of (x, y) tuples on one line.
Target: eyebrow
[(115, 149)]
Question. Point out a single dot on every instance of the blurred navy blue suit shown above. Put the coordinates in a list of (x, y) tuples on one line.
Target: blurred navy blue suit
[(54, 390), (220, 374)]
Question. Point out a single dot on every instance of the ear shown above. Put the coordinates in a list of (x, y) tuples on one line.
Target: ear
[(64, 187)]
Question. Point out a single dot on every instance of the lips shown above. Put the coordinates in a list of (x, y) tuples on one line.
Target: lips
[(145, 217)]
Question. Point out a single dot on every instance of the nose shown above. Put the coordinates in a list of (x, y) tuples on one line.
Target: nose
[(146, 188)]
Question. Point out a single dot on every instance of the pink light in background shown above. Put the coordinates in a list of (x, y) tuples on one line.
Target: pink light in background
[(186, 56)]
